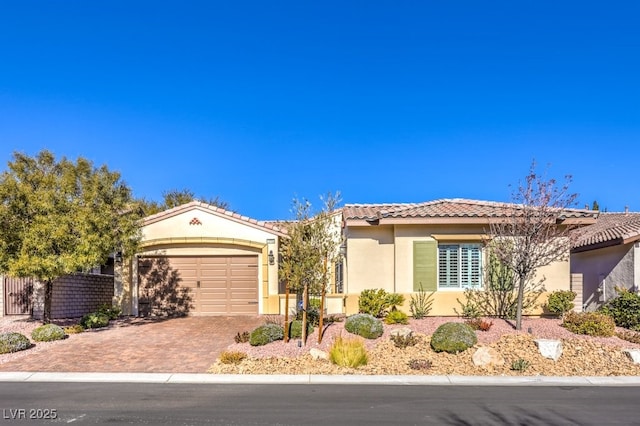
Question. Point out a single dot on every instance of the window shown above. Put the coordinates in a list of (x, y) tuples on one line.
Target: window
[(459, 266), (339, 277)]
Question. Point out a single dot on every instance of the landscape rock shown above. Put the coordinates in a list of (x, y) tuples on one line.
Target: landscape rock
[(486, 356), (633, 354), (402, 332), (548, 348), (318, 354)]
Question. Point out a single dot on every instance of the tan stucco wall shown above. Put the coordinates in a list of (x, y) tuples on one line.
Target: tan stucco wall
[(613, 266), (215, 235), (370, 264), (382, 257)]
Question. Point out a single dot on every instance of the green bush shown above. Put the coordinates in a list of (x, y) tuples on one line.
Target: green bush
[(589, 323), (94, 320), (295, 329), (73, 329), (266, 334), (520, 365), (373, 302), (377, 302), (625, 309), (560, 301), (348, 353), (113, 312), (421, 303), (13, 342), (396, 317), (453, 337), (364, 325), (48, 333)]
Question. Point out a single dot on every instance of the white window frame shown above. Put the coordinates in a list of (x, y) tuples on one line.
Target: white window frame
[(468, 262)]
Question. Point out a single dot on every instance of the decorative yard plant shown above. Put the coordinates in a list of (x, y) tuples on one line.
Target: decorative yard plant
[(13, 342), (625, 309), (95, 320), (377, 302), (295, 329), (453, 337), (364, 325), (560, 302), (421, 303), (48, 333), (266, 334), (348, 353), (589, 323)]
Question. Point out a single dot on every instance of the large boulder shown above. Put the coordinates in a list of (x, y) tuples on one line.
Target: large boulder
[(485, 357)]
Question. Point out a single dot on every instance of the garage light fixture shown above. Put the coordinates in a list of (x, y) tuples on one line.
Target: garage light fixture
[(118, 257), (272, 258)]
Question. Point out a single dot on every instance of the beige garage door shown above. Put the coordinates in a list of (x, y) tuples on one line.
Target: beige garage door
[(218, 285)]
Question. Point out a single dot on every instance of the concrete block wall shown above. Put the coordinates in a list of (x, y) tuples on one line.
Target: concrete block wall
[(75, 295)]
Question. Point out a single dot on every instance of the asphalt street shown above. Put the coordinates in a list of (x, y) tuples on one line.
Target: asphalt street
[(251, 404)]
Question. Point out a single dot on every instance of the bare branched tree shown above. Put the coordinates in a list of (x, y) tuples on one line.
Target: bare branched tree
[(534, 231)]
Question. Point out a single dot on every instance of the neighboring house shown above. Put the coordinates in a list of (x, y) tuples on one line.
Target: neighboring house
[(607, 254), (199, 259), (437, 244)]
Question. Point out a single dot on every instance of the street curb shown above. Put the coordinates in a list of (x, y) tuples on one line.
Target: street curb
[(306, 379)]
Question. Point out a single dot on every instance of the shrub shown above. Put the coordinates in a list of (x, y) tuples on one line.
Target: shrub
[(13, 342), (73, 329), (453, 337), (113, 312), (48, 333), (479, 324), (94, 320), (242, 337), (232, 357), (266, 334), (377, 302), (625, 309), (499, 298), (404, 341), (373, 302), (420, 364), (396, 317), (589, 323), (560, 302), (295, 329), (364, 325), (421, 303), (348, 352), (520, 365)]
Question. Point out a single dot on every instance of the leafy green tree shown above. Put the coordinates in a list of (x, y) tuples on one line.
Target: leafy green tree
[(311, 247), (176, 197), (595, 206), (60, 217)]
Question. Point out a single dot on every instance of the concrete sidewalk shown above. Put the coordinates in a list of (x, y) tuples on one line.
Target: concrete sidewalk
[(244, 379)]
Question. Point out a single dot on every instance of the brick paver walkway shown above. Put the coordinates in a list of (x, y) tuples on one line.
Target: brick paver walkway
[(179, 345)]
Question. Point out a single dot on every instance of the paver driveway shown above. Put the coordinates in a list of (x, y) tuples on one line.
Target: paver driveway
[(179, 345)]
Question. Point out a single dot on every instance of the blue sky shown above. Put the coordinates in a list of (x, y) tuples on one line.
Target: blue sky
[(259, 102)]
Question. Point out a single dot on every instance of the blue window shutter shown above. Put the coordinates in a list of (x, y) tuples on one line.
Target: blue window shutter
[(425, 270)]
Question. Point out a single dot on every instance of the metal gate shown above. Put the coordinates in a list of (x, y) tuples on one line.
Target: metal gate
[(17, 295)]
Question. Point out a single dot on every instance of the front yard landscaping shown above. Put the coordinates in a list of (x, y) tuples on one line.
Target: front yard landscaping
[(517, 353)]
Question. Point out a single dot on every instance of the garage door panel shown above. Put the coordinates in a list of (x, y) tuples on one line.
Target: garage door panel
[(217, 285)]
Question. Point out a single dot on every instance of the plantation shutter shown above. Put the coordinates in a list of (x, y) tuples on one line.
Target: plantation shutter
[(425, 270), (449, 267), (470, 266)]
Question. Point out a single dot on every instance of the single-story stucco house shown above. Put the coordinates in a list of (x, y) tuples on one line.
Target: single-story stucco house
[(436, 244), (200, 259), (607, 255)]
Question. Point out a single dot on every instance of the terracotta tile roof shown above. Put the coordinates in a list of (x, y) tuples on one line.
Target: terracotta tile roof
[(267, 225), (613, 228), (450, 207)]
